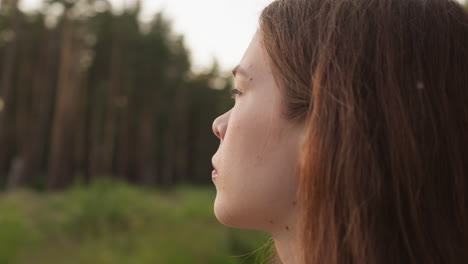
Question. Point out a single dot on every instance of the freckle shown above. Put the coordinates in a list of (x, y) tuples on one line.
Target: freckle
[(251, 79), (294, 203), (271, 222), (287, 228)]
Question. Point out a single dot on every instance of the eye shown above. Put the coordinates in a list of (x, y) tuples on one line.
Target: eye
[(235, 93)]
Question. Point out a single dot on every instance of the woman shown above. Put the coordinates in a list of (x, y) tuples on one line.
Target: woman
[(348, 140)]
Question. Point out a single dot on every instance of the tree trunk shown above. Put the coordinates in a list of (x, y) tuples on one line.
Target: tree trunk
[(23, 113), (182, 142), (6, 89), (112, 112), (147, 161), (61, 167), (43, 92)]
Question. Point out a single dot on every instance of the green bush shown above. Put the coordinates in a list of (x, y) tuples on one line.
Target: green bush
[(115, 223)]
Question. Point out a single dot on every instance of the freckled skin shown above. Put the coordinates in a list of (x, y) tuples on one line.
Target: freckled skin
[(257, 156)]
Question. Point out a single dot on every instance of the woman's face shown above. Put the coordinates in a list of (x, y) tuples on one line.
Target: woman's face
[(256, 159)]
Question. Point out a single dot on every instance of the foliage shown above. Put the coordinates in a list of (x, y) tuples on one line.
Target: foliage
[(116, 223)]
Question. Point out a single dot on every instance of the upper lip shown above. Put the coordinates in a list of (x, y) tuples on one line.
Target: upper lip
[(213, 163)]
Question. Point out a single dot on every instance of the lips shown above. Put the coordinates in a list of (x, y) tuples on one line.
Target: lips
[(214, 173)]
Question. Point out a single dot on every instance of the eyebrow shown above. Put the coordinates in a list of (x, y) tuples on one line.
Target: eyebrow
[(238, 70)]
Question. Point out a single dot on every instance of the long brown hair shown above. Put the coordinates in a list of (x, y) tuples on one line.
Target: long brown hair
[(382, 86)]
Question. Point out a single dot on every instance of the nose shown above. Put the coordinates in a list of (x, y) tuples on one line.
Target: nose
[(220, 125)]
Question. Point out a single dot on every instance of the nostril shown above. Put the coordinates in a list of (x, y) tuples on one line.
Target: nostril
[(220, 125), (216, 128), (222, 130), (216, 131), (219, 130)]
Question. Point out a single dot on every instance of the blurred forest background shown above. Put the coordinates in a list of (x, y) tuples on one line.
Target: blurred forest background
[(106, 140), (86, 92)]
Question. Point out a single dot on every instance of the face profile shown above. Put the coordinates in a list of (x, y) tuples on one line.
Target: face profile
[(256, 159), (347, 141)]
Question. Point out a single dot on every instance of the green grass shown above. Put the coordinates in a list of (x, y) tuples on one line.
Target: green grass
[(115, 223)]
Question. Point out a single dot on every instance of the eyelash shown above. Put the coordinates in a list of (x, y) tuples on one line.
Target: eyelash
[(235, 92)]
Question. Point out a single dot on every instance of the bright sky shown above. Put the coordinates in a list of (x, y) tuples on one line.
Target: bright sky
[(220, 29)]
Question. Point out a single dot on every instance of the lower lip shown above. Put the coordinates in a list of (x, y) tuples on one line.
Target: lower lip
[(214, 174)]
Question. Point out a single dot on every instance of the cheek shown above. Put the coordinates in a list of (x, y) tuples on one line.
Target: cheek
[(255, 196), (258, 180), (243, 142)]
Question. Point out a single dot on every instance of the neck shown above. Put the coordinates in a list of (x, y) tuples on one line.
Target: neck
[(286, 244)]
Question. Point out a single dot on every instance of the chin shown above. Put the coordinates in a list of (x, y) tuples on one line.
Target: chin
[(225, 214), (234, 215)]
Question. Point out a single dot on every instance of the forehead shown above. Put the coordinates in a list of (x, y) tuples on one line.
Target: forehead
[(253, 64)]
